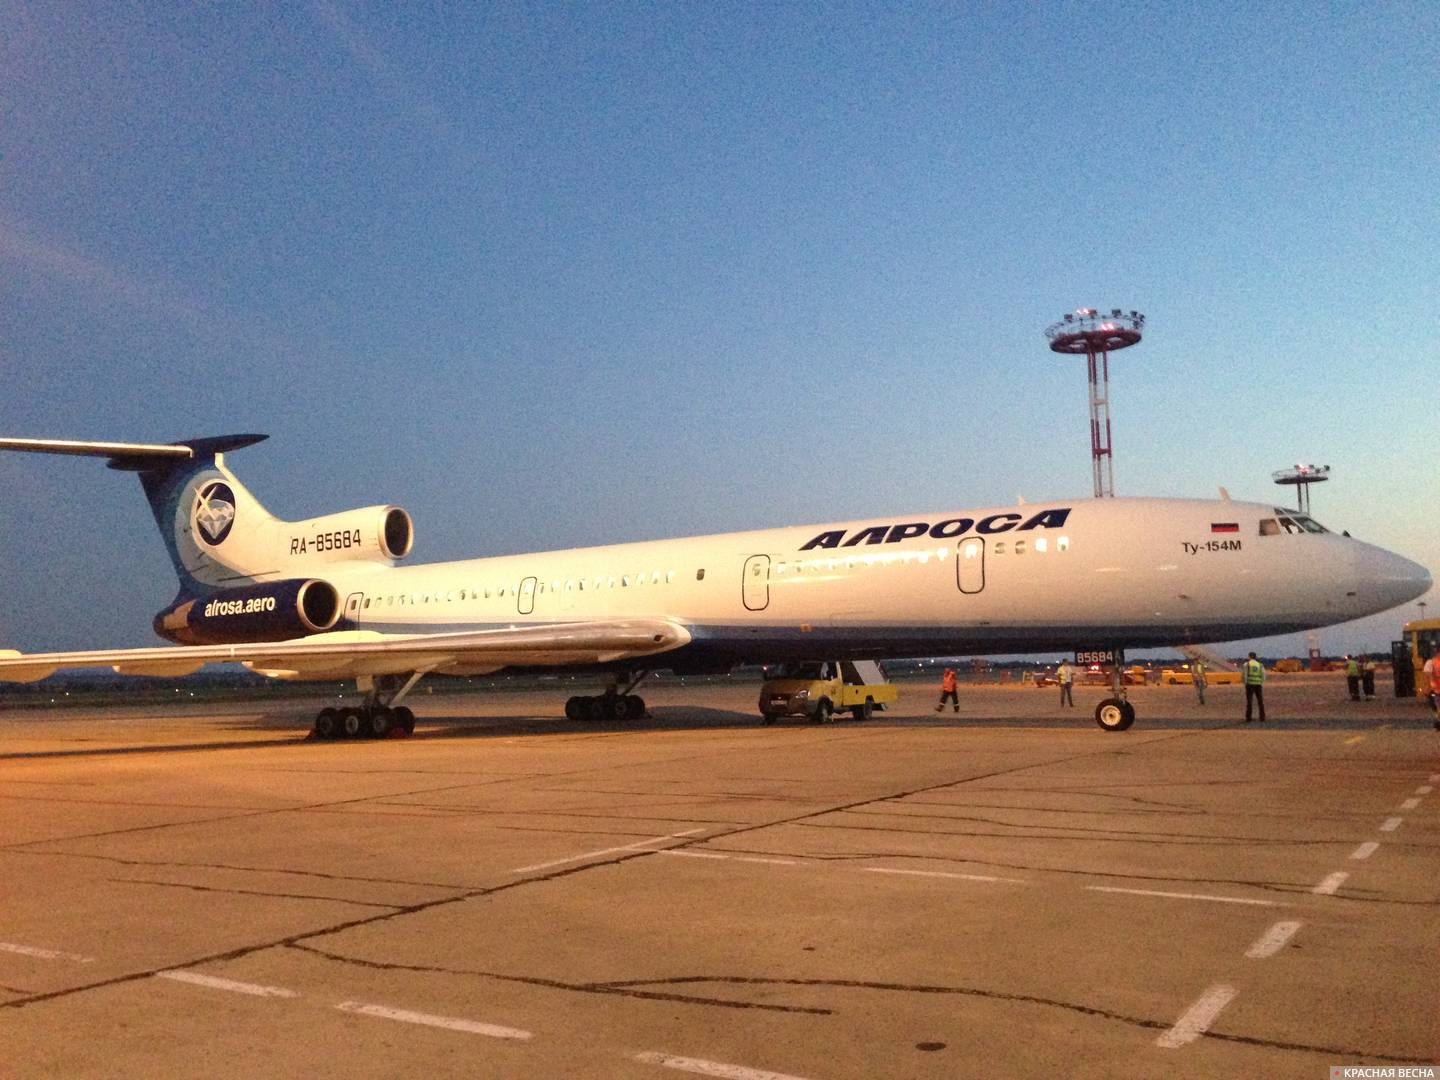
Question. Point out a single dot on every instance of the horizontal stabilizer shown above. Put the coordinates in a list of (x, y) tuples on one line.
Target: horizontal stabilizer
[(135, 457)]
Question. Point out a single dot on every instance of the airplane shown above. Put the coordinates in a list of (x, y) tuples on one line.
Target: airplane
[(326, 598)]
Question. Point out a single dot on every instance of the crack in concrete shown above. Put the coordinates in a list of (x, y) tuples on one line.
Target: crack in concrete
[(613, 989), (250, 892)]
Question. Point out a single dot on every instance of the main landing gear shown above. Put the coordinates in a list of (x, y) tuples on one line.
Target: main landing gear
[(613, 706), (378, 717)]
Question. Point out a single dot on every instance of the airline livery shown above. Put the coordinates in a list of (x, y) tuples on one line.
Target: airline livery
[(326, 598)]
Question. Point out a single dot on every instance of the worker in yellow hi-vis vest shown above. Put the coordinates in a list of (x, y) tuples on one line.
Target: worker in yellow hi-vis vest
[(1253, 672)]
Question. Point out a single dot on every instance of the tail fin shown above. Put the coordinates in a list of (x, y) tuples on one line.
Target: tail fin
[(217, 533)]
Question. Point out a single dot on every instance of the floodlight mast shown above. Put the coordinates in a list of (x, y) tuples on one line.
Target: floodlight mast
[(1086, 331), (1301, 477)]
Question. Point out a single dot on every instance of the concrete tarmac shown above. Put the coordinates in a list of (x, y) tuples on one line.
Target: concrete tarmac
[(1007, 891)]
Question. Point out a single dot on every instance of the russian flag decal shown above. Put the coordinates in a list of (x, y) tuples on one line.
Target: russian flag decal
[(1224, 526)]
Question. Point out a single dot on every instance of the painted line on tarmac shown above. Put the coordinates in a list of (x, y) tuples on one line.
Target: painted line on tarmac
[(727, 858), (1390, 824), (214, 983), (1183, 896), (943, 874), (1197, 1018), (1272, 941), (1330, 884), (637, 845), (44, 954), (1424, 789), (710, 1068), (1409, 804), (450, 1023), (1354, 739), (1365, 850)]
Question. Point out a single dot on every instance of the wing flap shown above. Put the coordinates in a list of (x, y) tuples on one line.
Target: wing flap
[(355, 653)]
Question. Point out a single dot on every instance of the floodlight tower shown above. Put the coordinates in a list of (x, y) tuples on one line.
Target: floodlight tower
[(1301, 477), (1089, 333)]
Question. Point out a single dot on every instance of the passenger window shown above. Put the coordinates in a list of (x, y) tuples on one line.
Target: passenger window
[(1062, 543), (1041, 544), (999, 547), (700, 575), (624, 580), (1019, 547)]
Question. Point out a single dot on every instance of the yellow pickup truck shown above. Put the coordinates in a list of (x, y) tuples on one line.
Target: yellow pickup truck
[(820, 689)]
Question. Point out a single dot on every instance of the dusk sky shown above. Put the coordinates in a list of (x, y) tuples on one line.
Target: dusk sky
[(556, 275)]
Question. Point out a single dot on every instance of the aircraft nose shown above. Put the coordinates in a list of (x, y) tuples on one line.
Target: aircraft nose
[(1391, 579)]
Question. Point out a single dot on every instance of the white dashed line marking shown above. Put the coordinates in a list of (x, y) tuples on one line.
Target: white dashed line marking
[(637, 845), (1365, 850), (1197, 1018), (1409, 804), (943, 874), (1390, 824), (1424, 789), (44, 954), (213, 983), (1272, 941), (450, 1023), (710, 1068), (729, 858), (1330, 884), (1182, 895)]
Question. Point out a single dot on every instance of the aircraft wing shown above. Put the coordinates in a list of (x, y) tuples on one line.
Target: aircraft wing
[(352, 653)]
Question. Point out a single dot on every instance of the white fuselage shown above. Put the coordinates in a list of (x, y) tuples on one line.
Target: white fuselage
[(1101, 573)]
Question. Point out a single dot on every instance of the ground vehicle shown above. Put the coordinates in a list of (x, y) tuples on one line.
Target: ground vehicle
[(1183, 676), (1420, 640), (819, 689)]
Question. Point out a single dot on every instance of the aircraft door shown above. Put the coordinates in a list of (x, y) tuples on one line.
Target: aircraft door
[(755, 585), (970, 565), (353, 604), (526, 596)]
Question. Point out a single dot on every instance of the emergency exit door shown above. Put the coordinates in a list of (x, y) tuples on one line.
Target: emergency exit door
[(755, 587), (970, 565)]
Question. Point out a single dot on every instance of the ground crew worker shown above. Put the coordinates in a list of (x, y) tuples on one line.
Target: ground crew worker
[(1367, 677), (1065, 676), (1432, 676), (1254, 674), (949, 688), (1352, 676), (1197, 672)]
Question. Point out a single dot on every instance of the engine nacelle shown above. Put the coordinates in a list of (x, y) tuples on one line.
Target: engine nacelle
[(275, 611), (374, 533)]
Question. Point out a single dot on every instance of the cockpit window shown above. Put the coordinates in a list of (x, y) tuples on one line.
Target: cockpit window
[(1269, 527), (1310, 525), (1292, 521)]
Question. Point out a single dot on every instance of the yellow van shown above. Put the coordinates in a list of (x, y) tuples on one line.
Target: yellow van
[(820, 689)]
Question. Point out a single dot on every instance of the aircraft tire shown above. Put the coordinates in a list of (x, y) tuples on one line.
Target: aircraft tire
[(637, 706), (404, 719), (616, 708), (572, 708), (823, 712), (327, 724), (352, 723), (864, 712), (768, 717), (379, 723), (1112, 714)]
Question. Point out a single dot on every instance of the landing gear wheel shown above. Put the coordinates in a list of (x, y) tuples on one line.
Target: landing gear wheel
[(351, 723), (327, 724), (822, 711), (403, 719), (767, 717), (576, 709), (864, 712), (378, 723), (1113, 714), (636, 704), (616, 708)]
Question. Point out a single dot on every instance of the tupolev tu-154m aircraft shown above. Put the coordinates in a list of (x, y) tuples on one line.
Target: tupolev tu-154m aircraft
[(325, 599)]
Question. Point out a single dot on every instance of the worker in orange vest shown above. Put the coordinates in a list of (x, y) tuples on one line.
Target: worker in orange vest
[(949, 688)]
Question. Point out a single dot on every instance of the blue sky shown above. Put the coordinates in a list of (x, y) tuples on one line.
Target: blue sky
[(553, 275)]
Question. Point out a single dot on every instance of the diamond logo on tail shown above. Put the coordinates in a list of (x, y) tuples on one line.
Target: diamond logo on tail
[(214, 512)]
